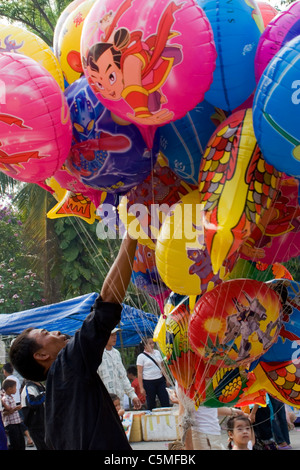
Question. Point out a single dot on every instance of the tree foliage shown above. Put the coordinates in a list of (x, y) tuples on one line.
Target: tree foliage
[(20, 287), (38, 16)]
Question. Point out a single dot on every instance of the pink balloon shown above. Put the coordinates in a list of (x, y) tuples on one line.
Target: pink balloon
[(267, 12), (280, 30), (149, 62), (71, 183), (35, 125)]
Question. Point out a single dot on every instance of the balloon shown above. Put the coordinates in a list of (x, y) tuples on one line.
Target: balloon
[(152, 48), (235, 323), (180, 359), (145, 275), (183, 142), (59, 25), (71, 204), (227, 387), (279, 379), (182, 258), (106, 155), (237, 29), (69, 182), (35, 126), (236, 186), (276, 110), (268, 12), (20, 41), (144, 207), (279, 31), (277, 236), (68, 44), (257, 270)]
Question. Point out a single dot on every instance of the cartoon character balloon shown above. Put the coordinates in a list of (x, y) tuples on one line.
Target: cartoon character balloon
[(142, 61), (105, 155), (20, 41), (276, 110), (146, 277), (236, 186), (237, 29), (235, 323), (182, 258), (279, 31), (35, 125)]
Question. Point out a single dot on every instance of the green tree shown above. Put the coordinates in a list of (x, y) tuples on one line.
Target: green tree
[(20, 287), (38, 16)]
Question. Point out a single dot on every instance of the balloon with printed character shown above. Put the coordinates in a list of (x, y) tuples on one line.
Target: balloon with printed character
[(145, 275), (137, 61), (235, 323), (105, 155), (182, 258)]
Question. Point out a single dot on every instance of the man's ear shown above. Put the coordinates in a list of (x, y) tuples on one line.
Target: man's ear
[(41, 356)]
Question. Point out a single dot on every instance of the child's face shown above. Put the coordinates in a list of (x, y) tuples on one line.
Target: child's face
[(117, 404), (241, 433), (108, 79), (11, 390)]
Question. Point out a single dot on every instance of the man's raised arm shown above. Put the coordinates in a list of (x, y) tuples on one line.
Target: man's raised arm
[(118, 278)]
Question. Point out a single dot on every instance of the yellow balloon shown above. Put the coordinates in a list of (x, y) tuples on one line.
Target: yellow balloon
[(68, 45), (18, 40), (63, 16), (182, 259)]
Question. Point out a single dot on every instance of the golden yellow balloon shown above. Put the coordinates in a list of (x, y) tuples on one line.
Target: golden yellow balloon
[(62, 18), (68, 45), (182, 258), (20, 41)]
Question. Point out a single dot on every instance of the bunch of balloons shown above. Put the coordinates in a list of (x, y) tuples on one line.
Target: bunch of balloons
[(178, 122)]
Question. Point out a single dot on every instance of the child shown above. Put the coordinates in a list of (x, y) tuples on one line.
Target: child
[(11, 416), (117, 403), (240, 433)]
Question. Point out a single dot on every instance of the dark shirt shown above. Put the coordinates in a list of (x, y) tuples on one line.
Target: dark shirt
[(80, 414)]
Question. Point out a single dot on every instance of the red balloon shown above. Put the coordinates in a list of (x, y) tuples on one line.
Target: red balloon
[(235, 323)]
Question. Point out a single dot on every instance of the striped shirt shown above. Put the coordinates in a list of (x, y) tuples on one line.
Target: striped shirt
[(8, 401)]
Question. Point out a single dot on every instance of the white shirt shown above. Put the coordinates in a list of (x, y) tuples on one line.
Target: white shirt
[(114, 376), (17, 395), (206, 421), (150, 370)]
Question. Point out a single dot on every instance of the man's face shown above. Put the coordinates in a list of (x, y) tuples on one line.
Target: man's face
[(51, 342), (112, 340)]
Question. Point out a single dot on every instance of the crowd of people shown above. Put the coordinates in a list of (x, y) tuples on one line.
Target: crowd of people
[(72, 395)]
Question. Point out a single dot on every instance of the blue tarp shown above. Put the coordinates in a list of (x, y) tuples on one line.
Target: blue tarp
[(68, 316)]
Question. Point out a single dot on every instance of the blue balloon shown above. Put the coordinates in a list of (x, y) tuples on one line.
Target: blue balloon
[(276, 110), (183, 142), (105, 154), (287, 345), (237, 26)]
